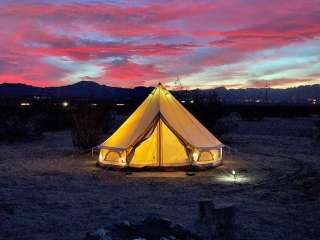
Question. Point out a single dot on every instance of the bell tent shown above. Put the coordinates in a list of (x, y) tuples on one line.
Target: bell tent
[(161, 133)]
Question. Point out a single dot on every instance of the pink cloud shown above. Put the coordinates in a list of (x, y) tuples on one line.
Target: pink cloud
[(177, 38), (281, 82), (132, 74)]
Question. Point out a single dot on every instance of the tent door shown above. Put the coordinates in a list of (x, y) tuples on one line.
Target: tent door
[(161, 148)]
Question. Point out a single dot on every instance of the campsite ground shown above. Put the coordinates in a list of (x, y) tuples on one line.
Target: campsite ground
[(48, 191)]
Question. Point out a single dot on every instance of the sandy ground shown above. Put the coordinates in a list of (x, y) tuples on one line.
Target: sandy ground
[(48, 191)]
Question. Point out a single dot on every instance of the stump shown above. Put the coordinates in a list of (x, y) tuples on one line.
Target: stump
[(218, 219), (223, 219), (205, 210)]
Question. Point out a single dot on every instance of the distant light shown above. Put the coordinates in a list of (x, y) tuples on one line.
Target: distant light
[(183, 101), (191, 101), (65, 104), (94, 104), (258, 100), (25, 104), (233, 172), (120, 104)]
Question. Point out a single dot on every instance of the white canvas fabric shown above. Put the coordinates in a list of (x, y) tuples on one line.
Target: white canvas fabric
[(161, 133)]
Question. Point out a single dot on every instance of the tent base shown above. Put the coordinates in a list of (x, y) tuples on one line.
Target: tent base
[(202, 167)]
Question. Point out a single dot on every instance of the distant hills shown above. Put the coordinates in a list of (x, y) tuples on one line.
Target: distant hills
[(93, 90)]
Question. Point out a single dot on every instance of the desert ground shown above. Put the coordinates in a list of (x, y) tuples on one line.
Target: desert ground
[(48, 190)]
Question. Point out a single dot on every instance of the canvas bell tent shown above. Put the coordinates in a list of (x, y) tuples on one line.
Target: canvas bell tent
[(161, 133)]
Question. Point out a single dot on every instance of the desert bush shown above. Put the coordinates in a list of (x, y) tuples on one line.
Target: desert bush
[(88, 123), (252, 113), (317, 131), (210, 114), (224, 125), (16, 127)]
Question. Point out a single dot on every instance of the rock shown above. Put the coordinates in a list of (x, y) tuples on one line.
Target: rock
[(123, 230), (156, 221), (190, 173), (152, 227), (99, 234)]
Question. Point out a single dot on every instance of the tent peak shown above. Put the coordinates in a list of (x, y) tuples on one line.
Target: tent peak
[(160, 85)]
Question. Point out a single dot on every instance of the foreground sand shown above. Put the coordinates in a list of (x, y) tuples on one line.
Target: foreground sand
[(48, 191)]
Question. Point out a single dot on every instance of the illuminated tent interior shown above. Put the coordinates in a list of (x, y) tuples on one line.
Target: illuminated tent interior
[(161, 133)]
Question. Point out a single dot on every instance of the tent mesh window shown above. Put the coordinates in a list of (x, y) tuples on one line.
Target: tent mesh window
[(112, 156), (206, 156)]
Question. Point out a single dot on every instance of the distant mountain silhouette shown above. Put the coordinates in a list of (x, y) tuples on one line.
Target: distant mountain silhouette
[(299, 94), (93, 90), (80, 90)]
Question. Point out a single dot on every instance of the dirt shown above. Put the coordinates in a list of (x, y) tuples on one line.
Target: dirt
[(49, 191)]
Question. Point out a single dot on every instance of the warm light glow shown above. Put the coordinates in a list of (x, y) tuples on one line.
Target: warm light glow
[(101, 157), (241, 179), (195, 156), (122, 160), (65, 104)]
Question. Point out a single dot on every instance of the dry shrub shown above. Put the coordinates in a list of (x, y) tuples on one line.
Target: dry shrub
[(317, 130), (87, 125), (16, 127)]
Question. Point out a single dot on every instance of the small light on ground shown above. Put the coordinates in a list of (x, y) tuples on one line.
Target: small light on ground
[(234, 174), (241, 179)]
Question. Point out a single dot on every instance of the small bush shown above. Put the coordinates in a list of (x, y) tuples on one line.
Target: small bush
[(317, 131), (210, 113), (88, 122), (252, 115), (224, 125), (16, 127)]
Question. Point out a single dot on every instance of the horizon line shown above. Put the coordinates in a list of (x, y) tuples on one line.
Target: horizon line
[(170, 87)]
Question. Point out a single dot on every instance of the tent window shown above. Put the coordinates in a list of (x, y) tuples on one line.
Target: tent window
[(206, 156), (112, 156)]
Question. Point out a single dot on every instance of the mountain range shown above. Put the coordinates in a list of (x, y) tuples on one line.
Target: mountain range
[(93, 90)]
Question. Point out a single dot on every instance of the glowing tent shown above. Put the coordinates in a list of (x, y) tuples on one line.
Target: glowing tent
[(161, 133)]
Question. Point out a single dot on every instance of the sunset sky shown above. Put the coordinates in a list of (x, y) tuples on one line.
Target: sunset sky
[(231, 43)]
